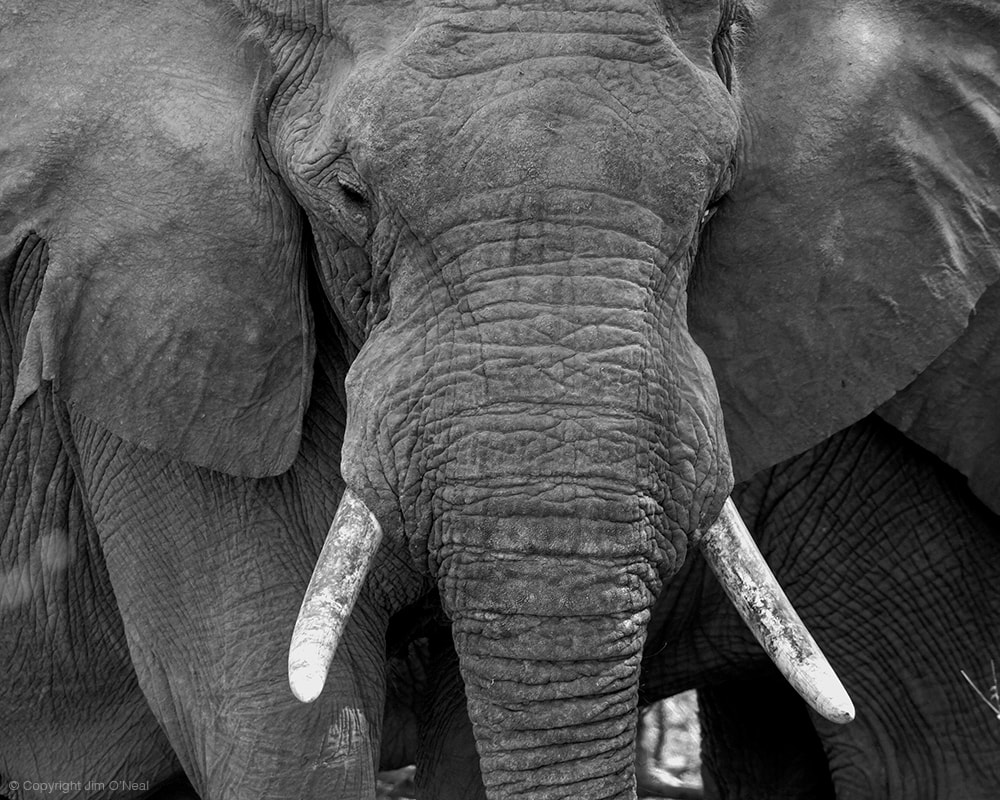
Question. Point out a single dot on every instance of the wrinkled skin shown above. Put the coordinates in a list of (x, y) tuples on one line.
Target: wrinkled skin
[(894, 565), (457, 257)]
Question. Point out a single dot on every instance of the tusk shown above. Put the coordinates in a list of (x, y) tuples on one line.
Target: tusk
[(761, 602), (343, 563)]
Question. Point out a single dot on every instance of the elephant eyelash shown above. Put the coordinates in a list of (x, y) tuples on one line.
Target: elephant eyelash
[(351, 212), (734, 15), (352, 189), (722, 57)]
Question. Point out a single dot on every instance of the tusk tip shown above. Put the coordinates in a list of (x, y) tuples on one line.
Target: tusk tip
[(838, 709), (306, 682), (830, 699)]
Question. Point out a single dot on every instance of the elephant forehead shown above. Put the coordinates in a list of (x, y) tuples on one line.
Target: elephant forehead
[(635, 120), (452, 39)]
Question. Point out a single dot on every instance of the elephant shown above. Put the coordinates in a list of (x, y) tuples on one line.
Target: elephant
[(316, 310), (894, 562)]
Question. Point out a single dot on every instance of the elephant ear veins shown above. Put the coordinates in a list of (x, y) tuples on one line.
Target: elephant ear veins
[(173, 309), (864, 224)]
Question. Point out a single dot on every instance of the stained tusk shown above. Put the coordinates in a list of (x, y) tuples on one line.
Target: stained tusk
[(761, 602), (343, 563)]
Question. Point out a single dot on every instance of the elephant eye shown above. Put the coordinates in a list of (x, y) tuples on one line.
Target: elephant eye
[(352, 188), (352, 208)]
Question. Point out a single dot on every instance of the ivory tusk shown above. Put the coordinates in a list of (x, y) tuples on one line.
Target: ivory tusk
[(751, 586), (350, 545)]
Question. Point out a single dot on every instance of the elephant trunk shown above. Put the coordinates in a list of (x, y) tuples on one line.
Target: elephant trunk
[(550, 647)]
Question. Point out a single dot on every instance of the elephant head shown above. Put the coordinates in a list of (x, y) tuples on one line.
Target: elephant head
[(586, 259)]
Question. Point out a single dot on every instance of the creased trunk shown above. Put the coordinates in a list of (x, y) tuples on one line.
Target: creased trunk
[(550, 647)]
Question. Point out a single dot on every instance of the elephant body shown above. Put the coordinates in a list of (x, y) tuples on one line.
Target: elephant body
[(69, 676), (526, 284), (894, 564)]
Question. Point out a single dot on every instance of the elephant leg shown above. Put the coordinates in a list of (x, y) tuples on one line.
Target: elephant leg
[(71, 710), (447, 762), (758, 743), (209, 573)]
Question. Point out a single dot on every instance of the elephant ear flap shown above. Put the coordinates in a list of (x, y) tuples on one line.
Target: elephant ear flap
[(864, 223), (172, 308)]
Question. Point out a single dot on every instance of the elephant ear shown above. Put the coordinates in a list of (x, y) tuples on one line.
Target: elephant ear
[(864, 223), (951, 408), (173, 306)]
